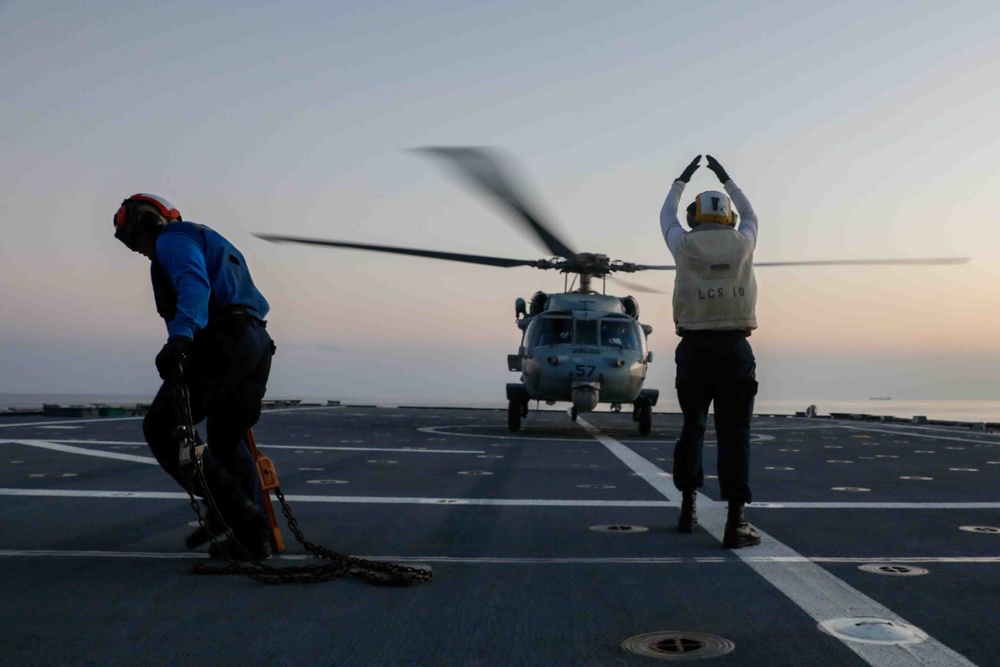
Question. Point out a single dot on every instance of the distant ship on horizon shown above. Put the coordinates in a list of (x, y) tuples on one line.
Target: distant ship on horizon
[(880, 398)]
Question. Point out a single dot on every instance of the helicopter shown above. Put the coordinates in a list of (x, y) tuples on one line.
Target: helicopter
[(579, 345)]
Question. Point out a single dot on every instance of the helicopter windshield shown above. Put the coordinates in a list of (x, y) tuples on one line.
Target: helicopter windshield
[(550, 331), (620, 333)]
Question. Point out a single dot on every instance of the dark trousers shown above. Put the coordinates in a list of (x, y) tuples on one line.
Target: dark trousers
[(719, 367), (226, 374)]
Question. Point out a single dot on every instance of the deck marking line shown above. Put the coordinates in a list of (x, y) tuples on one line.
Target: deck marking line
[(512, 502), (919, 435), (69, 449), (412, 450), (373, 500), (60, 445), (407, 450), (106, 420), (500, 560), (815, 591), (646, 470)]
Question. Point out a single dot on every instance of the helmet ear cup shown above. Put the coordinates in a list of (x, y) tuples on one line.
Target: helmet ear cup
[(692, 223)]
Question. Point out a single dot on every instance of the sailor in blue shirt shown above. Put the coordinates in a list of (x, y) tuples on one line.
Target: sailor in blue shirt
[(217, 344)]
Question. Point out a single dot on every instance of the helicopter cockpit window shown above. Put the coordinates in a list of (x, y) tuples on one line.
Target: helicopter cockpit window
[(620, 333), (550, 331), (586, 332)]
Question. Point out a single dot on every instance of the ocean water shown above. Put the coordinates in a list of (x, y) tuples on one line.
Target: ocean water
[(958, 410)]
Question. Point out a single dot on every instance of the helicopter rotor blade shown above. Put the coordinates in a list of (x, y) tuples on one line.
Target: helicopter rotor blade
[(871, 262), (636, 287), (414, 252), (483, 167), (828, 262)]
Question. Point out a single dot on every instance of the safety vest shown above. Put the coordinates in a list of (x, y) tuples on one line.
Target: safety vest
[(714, 287)]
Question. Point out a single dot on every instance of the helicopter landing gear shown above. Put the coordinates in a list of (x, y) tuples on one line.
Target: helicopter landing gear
[(643, 413), (516, 409), (616, 407), (573, 412)]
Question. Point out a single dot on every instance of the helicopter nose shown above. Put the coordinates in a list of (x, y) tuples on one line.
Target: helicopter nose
[(586, 396)]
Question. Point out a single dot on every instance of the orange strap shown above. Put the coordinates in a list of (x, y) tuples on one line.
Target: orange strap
[(268, 480)]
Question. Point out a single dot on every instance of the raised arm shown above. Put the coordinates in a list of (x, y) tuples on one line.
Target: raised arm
[(669, 224), (748, 219)]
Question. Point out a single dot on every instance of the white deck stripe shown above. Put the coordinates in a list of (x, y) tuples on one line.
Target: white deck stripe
[(816, 591), (509, 502), (373, 500), (492, 560), (912, 434), (69, 449), (100, 453), (105, 420)]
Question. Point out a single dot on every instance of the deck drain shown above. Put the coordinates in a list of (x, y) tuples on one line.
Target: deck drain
[(777, 468), (980, 529), (595, 486), (922, 479), (619, 528), (489, 456), (326, 481), (868, 630), (838, 461), (475, 472), (382, 461), (892, 569), (964, 469), (850, 488), (672, 645)]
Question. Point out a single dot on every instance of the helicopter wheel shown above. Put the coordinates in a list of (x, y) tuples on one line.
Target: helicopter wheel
[(524, 409), (616, 407), (645, 419), (514, 411), (573, 413)]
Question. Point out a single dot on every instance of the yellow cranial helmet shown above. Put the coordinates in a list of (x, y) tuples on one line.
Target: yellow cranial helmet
[(711, 206)]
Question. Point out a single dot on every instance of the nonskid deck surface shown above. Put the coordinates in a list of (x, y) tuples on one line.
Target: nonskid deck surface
[(94, 571)]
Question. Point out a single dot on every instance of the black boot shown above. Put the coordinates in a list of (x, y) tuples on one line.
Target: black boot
[(256, 546), (739, 534), (212, 527), (689, 517)]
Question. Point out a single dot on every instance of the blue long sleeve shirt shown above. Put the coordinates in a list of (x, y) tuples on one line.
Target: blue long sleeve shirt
[(202, 276)]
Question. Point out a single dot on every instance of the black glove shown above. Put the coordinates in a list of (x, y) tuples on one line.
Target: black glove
[(170, 360), (689, 170), (714, 165)]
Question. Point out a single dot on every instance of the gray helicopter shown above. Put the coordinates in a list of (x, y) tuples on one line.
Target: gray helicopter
[(580, 346)]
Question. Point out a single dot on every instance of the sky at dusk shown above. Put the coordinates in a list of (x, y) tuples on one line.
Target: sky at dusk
[(857, 130)]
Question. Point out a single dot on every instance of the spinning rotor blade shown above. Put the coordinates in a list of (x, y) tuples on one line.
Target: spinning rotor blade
[(483, 168), (833, 262), (828, 262), (434, 254), (636, 287), (861, 262)]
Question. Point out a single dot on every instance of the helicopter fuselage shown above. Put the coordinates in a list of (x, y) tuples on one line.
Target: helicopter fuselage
[(583, 348)]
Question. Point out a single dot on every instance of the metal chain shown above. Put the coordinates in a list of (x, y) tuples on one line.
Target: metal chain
[(381, 573)]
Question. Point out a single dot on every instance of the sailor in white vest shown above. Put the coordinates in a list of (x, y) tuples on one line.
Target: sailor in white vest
[(714, 298)]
